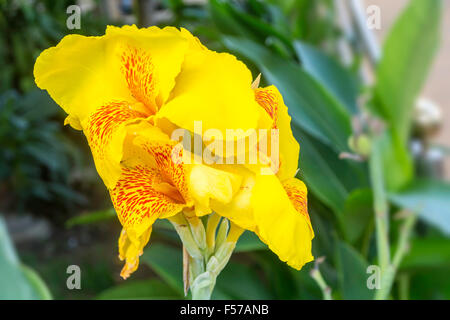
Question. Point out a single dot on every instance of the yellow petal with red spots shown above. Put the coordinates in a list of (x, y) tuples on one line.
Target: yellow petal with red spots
[(275, 115), (167, 157), (126, 64), (105, 131), (298, 194), (140, 198)]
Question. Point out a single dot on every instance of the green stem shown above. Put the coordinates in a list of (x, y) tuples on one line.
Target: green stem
[(388, 276), (380, 207), (317, 276), (208, 255)]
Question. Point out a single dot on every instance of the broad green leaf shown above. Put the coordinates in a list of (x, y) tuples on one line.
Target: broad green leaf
[(407, 55), (330, 178), (430, 199), (278, 275), (358, 213), (332, 75), (239, 281), (311, 106), (140, 289), (37, 283), (427, 253), (430, 285), (167, 262), (91, 217), (14, 284), (352, 274), (249, 241)]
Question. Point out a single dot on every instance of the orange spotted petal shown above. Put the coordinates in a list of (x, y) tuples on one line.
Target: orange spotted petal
[(297, 193), (275, 116), (167, 157), (105, 132), (139, 72), (139, 200)]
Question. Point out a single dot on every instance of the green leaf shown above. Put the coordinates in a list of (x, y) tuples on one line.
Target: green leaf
[(428, 253), (140, 289), (430, 199), (408, 52), (91, 217), (332, 75), (330, 178), (167, 263), (14, 283), (239, 281), (352, 274), (358, 213), (37, 283), (311, 106), (249, 241)]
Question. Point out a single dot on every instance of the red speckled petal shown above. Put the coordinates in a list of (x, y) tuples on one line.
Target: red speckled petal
[(105, 132), (297, 193), (139, 72)]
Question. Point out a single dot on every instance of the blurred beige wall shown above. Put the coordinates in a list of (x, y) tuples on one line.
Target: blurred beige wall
[(437, 87)]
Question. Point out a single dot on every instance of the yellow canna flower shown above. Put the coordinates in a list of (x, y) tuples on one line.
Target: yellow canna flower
[(128, 91)]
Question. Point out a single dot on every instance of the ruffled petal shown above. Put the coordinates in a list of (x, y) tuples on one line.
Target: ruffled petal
[(207, 184), (286, 231), (139, 200), (105, 131), (130, 249), (276, 116), (126, 64), (297, 193), (213, 88), (276, 212)]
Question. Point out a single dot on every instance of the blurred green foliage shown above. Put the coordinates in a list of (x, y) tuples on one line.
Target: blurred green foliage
[(36, 156)]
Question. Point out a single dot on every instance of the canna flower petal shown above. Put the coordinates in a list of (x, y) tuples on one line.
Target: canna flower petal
[(297, 193), (154, 188), (105, 131), (277, 212), (275, 115), (208, 184), (212, 84), (286, 231), (126, 64), (130, 249)]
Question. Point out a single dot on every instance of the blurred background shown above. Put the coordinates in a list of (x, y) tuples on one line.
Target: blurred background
[(365, 81)]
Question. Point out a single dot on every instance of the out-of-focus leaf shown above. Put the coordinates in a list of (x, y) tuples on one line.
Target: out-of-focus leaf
[(91, 217), (397, 162), (167, 263), (13, 282), (311, 106), (430, 285), (330, 178), (249, 241), (407, 55), (358, 213), (141, 289), (333, 76), (37, 283), (428, 253), (430, 199), (239, 281), (352, 274), (278, 274)]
